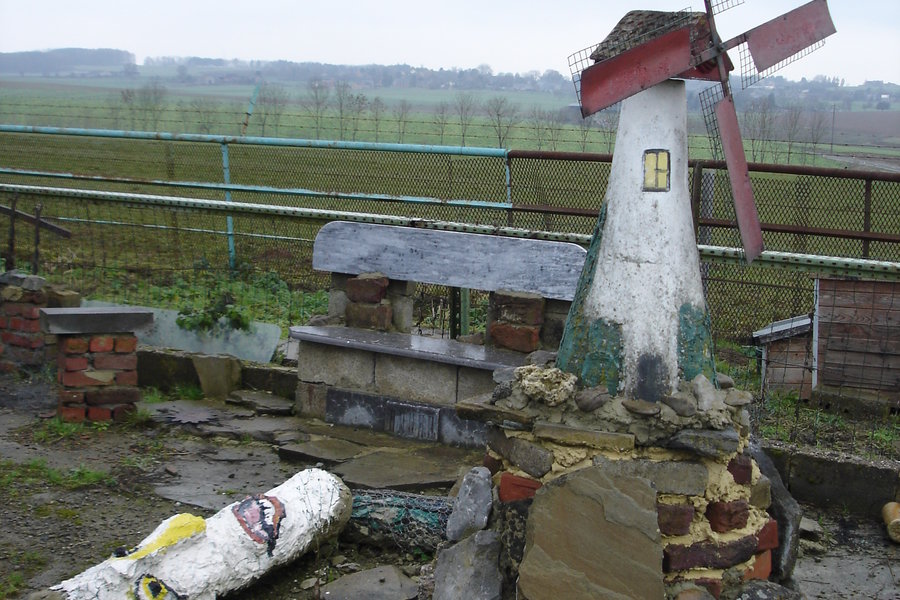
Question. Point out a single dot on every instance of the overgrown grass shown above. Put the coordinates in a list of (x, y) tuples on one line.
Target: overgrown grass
[(15, 476), (784, 417)]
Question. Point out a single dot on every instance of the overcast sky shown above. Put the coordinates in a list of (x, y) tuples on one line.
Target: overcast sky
[(509, 35)]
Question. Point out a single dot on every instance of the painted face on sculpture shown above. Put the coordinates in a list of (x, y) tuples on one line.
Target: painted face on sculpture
[(260, 516), (149, 587)]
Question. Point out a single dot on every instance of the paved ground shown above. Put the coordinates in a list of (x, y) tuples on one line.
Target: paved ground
[(201, 456)]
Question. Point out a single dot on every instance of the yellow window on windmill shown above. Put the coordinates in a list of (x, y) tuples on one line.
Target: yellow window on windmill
[(656, 170)]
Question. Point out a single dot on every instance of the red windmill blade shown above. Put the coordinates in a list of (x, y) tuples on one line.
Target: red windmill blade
[(648, 47)]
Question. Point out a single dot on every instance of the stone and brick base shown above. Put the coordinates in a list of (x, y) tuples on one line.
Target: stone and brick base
[(96, 361)]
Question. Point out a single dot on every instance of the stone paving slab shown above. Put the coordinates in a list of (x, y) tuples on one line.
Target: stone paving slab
[(328, 450), (399, 471), (261, 403)]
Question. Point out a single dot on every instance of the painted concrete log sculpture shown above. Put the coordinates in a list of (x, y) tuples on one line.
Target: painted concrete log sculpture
[(188, 557)]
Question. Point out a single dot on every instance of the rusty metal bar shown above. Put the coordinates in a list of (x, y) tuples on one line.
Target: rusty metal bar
[(55, 229), (871, 236)]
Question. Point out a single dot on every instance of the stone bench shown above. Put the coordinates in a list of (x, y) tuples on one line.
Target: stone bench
[(372, 371), (96, 360)]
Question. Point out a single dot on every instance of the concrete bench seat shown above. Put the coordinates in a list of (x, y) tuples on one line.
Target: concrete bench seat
[(439, 350)]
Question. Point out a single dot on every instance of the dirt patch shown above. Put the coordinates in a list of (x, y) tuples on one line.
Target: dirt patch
[(71, 500)]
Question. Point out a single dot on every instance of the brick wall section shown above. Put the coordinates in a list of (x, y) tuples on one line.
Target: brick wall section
[(98, 377), (21, 342)]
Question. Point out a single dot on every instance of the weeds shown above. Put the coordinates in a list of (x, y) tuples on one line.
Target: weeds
[(55, 429), (14, 477)]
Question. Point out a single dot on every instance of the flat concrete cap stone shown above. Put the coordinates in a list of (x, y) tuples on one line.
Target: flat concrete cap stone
[(95, 319)]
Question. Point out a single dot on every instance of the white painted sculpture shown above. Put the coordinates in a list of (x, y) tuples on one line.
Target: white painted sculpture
[(191, 557)]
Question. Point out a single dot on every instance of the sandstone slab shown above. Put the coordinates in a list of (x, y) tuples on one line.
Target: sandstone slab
[(591, 535)]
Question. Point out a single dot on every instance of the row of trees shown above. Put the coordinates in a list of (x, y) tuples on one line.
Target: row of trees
[(338, 111)]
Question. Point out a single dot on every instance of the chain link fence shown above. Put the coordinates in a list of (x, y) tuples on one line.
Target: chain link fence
[(178, 256)]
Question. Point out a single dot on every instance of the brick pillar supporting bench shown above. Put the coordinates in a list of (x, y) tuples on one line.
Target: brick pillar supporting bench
[(97, 360)]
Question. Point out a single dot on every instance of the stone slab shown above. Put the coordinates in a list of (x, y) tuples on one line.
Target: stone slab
[(409, 346), (257, 345), (450, 258), (409, 471), (342, 367), (469, 569), (261, 403), (325, 450), (615, 554), (380, 583), (669, 477), (577, 436), (95, 319)]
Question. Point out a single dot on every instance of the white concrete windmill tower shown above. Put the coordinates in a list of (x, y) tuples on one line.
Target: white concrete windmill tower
[(639, 322)]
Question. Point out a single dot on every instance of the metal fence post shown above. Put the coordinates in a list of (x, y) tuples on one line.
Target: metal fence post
[(229, 222), (867, 216)]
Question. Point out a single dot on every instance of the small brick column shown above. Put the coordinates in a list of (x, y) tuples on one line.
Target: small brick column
[(515, 320), (22, 344), (97, 360)]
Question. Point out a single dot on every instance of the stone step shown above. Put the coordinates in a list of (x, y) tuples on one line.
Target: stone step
[(262, 403)]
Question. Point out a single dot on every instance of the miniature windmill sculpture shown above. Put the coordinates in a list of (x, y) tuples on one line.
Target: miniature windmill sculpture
[(639, 325), (648, 47)]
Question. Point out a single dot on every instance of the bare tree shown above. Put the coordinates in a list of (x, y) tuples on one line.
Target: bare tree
[(585, 126), (401, 114), (440, 118), (464, 104), (503, 116), (554, 128), (150, 103), (378, 109), (818, 127), (537, 119), (759, 122), (358, 105), (609, 124), (790, 126), (342, 98), (206, 109), (272, 100), (316, 103)]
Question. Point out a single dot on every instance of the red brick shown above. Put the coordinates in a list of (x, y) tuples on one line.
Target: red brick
[(125, 343), (127, 378), (75, 363), (367, 288), (513, 487), (4, 322), (121, 362), (74, 345), (23, 324), (71, 414), (493, 464), (741, 469), (674, 519), (79, 379), (102, 343), (708, 555), (112, 395), (725, 516), (762, 566), (23, 340), (121, 412), (22, 309), (767, 536), (369, 316), (523, 338), (70, 397), (99, 413), (518, 307)]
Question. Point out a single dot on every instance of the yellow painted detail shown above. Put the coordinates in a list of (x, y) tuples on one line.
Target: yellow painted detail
[(180, 527), (656, 170)]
